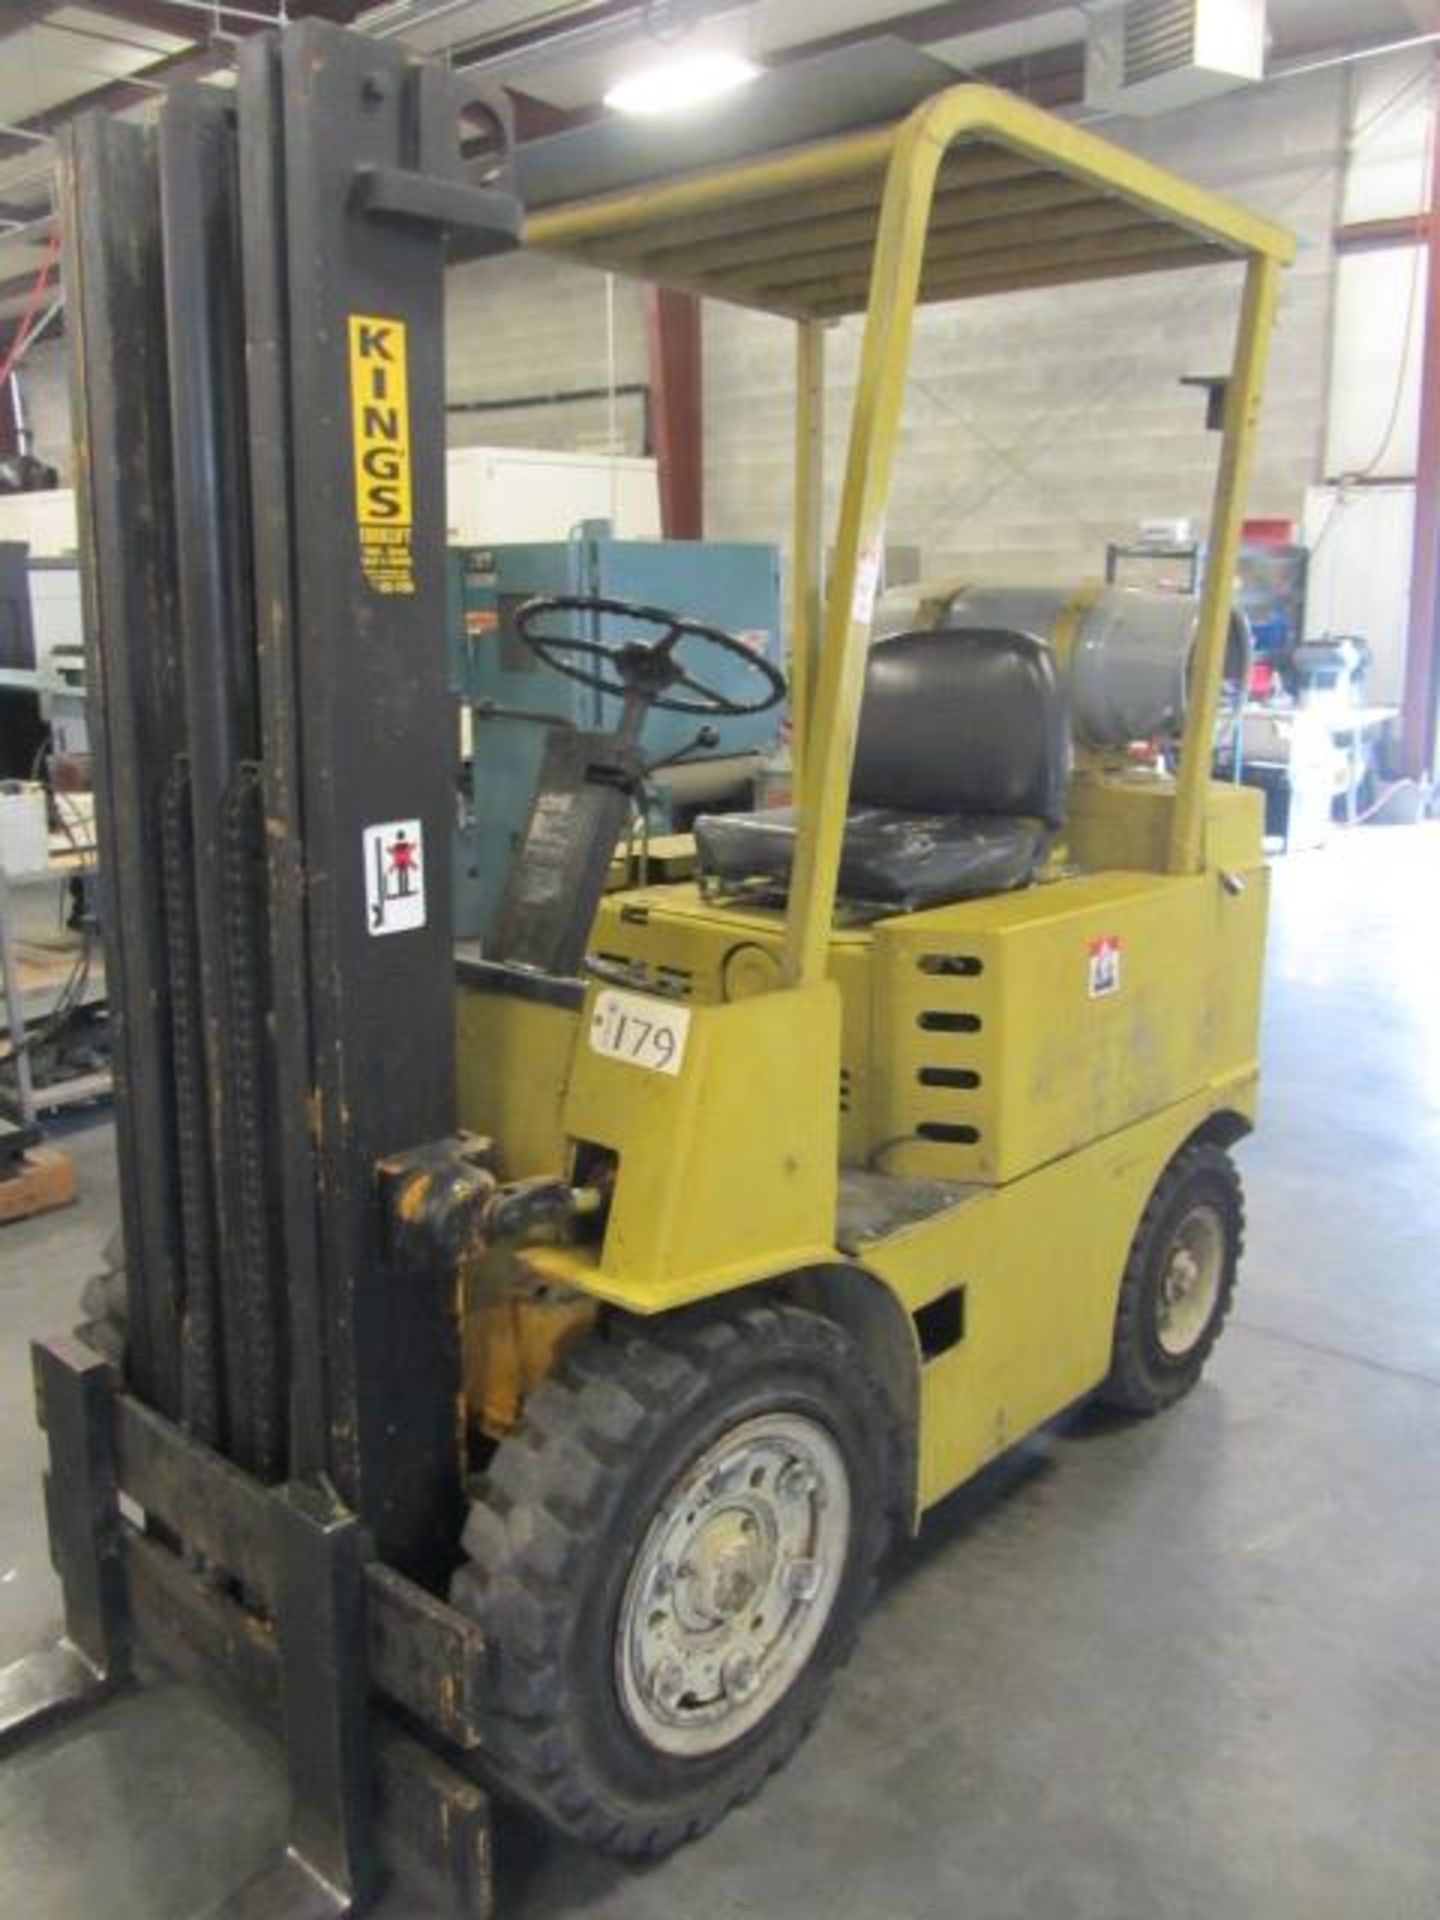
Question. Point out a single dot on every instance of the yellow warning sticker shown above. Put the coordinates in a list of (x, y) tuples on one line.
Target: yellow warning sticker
[(380, 415)]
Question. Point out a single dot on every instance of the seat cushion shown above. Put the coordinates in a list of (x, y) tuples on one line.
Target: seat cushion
[(963, 722), (891, 857)]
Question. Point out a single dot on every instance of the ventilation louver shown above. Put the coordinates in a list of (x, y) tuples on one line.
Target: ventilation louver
[(1151, 56)]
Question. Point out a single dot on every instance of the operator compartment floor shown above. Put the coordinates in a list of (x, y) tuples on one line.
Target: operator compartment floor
[(873, 1206)]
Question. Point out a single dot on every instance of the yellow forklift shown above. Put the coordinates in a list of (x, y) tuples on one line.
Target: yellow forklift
[(904, 1124), (533, 1414)]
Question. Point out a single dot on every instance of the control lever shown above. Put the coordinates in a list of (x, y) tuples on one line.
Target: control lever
[(703, 741)]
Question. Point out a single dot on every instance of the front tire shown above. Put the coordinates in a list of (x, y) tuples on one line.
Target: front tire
[(670, 1556), (1179, 1280), (104, 1305)]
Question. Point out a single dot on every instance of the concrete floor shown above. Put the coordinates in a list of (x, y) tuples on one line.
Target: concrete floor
[(1162, 1672)]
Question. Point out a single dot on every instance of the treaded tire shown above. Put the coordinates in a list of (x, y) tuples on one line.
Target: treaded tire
[(1144, 1378), (104, 1304), (561, 1515)]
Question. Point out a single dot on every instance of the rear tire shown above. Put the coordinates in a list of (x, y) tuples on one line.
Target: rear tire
[(670, 1556), (1179, 1281)]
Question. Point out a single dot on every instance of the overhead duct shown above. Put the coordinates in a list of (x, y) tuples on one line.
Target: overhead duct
[(1151, 56)]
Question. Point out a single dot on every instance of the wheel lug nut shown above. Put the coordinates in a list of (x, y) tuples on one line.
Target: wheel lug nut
[(740, 1676), (802, 1577), (797, 1482), (668, 1683)]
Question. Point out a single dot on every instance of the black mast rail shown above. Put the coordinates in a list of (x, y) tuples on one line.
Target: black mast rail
[(119, 404), (238, 1318)]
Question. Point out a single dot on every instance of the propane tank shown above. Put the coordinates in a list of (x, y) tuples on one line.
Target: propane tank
[(1126, 653)]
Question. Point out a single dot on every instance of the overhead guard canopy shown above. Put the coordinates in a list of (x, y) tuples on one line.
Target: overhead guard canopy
[(1021, 200)]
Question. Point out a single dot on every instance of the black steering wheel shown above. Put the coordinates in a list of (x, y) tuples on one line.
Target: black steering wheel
[(638, 667)]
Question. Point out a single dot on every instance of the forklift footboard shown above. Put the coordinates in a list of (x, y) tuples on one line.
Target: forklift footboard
[(267, 1596)]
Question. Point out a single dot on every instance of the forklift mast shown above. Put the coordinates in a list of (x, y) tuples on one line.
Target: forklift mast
[(259, 387), (255, 301)]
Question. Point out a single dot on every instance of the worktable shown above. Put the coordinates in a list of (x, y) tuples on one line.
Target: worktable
[(33, 976)]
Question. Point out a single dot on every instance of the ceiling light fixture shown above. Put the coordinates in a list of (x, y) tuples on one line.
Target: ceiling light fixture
[(673, 85)]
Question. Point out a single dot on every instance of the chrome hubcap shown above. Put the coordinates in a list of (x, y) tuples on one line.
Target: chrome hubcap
[(733, 1584), (1190, 1284)]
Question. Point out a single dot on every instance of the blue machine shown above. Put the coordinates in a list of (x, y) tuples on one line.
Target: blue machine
[(511, 695)]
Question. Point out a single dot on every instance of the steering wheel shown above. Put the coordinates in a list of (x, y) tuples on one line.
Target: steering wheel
[(648, 668)]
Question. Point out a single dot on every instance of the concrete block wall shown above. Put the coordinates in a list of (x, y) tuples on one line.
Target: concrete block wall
[(528, 325), (1039, 426), (522, 325)]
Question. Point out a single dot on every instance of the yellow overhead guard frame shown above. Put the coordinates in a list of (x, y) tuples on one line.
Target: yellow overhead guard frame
[(974, 193)]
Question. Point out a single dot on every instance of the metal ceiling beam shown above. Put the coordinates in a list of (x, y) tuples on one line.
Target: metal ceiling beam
[(928, 25), (921, 28), (181, 23), (537, 36), (115, 95), (1312, 39), (18, 283), (192, 62), (190, 23), (21, 15), (1052, 78)]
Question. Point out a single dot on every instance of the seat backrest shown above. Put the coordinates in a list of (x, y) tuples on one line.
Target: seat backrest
[(963, 722)]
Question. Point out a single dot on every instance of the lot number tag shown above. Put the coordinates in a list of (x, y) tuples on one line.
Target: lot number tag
[(647, 1033)]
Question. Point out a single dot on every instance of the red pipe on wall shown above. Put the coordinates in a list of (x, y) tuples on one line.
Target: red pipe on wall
[(676, 410)]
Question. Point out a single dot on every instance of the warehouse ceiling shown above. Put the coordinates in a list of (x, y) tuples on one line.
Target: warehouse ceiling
[(557, 57)]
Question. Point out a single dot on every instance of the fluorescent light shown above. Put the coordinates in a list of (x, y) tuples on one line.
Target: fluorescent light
[(674, 85)]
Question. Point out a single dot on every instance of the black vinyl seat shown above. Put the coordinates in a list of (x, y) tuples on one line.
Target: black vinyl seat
[(960, 775)]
